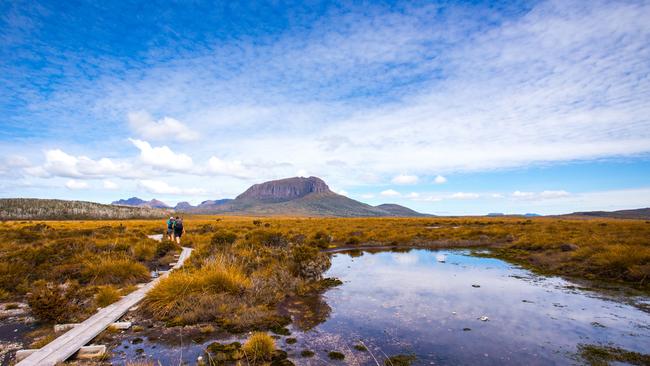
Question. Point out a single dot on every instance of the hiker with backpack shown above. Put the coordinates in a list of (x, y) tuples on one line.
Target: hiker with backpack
[(170, 228), (178, 229)]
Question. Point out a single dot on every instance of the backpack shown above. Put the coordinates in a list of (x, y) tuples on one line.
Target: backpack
[(179, 225), (170, 224)]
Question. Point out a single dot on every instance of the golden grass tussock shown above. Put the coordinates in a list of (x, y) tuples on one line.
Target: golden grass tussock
[(106, 295), (259, 347), (178, 293), (110, 270)]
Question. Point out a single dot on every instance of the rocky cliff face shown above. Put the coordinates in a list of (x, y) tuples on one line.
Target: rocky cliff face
[(284, 189)]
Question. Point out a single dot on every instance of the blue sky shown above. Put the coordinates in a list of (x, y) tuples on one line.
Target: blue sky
[(446, 107)]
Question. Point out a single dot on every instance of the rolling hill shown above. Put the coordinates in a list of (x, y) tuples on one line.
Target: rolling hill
[(639, 213), (49, 209)]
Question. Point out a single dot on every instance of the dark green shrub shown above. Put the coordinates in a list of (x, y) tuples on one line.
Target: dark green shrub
[(223, 238)]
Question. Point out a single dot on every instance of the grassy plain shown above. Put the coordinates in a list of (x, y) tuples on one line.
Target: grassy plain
[(243, 266)]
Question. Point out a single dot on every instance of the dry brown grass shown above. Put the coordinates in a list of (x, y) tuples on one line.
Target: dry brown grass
[(261, 260), (259, 347)]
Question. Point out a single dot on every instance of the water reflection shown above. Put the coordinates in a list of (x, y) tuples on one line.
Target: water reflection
[(411, 302)]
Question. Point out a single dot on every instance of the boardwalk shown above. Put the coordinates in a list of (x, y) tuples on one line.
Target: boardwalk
[(67, 344)]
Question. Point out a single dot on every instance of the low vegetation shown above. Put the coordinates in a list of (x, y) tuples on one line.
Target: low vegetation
[(596, 355), (48, 209), (243, 268), (65, 270), (259, 347)]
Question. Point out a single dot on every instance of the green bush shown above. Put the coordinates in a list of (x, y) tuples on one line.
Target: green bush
[(223, 238)]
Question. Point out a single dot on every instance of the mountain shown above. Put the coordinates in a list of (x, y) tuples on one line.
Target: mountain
[(183, 206), (137, 202), (639, 213), (398, 210), (299, 196), (284, 189), (46, 209)]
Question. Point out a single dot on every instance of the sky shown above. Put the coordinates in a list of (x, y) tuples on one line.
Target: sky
[(447, 107)]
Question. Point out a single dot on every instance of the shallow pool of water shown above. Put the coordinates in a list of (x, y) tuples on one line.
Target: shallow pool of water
[(465, 310)]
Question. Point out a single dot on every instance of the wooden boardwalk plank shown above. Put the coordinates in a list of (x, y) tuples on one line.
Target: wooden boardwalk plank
[(67, 344)]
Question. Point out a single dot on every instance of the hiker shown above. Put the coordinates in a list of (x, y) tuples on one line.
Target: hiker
[(170, 228), (178, 229)]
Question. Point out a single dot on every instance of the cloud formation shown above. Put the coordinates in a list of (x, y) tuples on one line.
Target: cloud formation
[(75, 184), (166, 128), (390, 193), (163, 157), (160, 187), (405, 179)]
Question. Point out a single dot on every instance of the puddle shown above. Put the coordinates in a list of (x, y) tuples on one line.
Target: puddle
[(461, 311)]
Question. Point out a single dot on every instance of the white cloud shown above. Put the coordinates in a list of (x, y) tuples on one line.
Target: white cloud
[(390, 193), (413, 195), (464, 196), (110, 185), (440, 179), (302, 173), (549, 194), (367, 195), (160, 187), (229, 168), (163, 157), (405, 179), (496, 195), (342, 192), (166, 128), (75, 184), (520, 194), (60, 164), (553, 194)]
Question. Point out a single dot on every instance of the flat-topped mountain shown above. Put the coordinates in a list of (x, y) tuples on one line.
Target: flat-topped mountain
[(298, 196), (137, 202), (284, 189)]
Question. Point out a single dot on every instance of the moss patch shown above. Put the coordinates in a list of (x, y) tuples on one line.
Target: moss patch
[(602, 355)]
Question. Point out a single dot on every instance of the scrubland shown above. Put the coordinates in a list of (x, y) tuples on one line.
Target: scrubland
[(65, 270), (243, 267)]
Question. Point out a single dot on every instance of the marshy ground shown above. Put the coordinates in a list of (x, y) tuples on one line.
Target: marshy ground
[(266, 274)]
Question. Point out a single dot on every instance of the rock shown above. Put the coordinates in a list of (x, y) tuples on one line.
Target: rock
[(92, 351), (285, 189), (567, 247), (64, 327), (484, 318), (476, 286)]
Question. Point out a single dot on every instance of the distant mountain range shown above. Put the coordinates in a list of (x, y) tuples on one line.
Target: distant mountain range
[(137, 202), (639, 213), (291, 197)]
